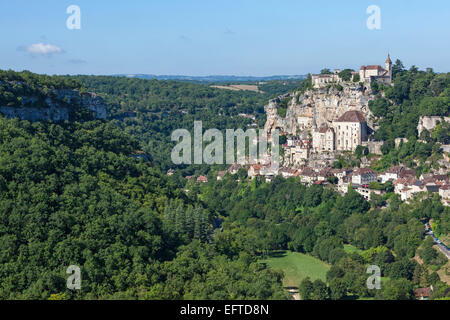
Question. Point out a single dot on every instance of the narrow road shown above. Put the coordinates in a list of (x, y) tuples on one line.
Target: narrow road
[(441, 246), (294, 294)]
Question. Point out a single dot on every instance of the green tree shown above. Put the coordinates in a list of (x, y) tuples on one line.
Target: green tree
[(400, 289), (320, 290), (346, 74), (338, 289), (306, 289)]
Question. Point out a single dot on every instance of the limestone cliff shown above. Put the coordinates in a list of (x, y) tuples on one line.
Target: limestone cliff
[(56, 107), (320, 106)]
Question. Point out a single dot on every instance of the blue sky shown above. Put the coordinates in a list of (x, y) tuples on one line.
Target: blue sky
[(205, 37)]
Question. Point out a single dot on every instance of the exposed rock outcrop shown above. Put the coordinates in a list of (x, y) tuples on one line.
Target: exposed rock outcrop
[(322, 106), (57, 107), (430, 123), (36, 114), (89, 100)]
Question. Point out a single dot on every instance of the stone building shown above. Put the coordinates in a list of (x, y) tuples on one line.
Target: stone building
[(392, 174), (374, 147), (305, 122), (366, 192), (367, 74), (322, 80), (363, 176), (202, 179), (299, 154), (377, 73), (254, 170), (323, 139), (351, 130)]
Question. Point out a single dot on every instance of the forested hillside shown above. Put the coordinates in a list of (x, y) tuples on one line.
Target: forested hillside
[(16, 85), (398, 108), (72, 195), (287, 215), (151, 110)]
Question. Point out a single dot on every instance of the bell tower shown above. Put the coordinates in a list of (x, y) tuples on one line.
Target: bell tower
[(388, 66)]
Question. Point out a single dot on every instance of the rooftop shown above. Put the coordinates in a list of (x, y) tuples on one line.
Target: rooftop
[(371, 67), (352, 116)]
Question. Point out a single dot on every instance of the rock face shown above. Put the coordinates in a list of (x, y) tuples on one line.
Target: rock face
[(36, 114), (89, 100), (321, 106), (55, 110), (430, 123)]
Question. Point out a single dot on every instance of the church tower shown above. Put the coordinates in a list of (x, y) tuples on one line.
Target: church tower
[(388, 66)]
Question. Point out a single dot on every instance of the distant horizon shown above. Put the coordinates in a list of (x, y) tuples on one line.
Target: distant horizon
[(202, 38), (206, 75)]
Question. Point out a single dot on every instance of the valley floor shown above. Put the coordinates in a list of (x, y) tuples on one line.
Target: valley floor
[(296, 267)]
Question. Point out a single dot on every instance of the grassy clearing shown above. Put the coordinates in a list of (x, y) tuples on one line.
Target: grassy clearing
[(349, 248), (444, 273), (238, 87), (297, 266)]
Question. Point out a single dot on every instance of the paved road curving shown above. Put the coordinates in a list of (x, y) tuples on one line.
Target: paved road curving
[(442, 247)]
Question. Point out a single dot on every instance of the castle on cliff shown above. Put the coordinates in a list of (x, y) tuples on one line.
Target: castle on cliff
[(367, 74)]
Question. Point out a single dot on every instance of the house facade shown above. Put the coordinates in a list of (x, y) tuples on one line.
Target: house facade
[(351, 131), (364, 176), (323, 140)]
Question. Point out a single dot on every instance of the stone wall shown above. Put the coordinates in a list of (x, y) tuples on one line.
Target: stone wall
[(373, 146)]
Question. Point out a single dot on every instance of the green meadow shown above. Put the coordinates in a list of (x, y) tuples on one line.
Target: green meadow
[(297, 266)]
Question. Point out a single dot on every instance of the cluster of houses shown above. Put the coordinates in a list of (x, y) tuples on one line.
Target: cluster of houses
[(404, 180), (344, 134), (309, 155), (350, 130), (202, 179)]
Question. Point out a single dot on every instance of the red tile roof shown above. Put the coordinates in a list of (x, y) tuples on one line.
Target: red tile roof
[(202, 179), (307, 171), (422, 292), (221, 173), (370, 67), (407, 173), (256, 166), (352, 116), (234, 167), (324, 129)]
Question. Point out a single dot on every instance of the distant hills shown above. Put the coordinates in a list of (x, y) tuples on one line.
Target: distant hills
[(212, 78)]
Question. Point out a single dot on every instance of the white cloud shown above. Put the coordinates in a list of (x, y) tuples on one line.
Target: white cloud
[(43, 49)]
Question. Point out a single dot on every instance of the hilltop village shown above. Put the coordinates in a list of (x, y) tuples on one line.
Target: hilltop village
[(332, 121)]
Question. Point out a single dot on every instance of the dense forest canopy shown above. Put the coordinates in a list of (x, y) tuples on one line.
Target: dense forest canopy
[(414, 94), (160, 107), (125, 94), (287, 215), (71, 193), (397, 110), (14, 86)]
